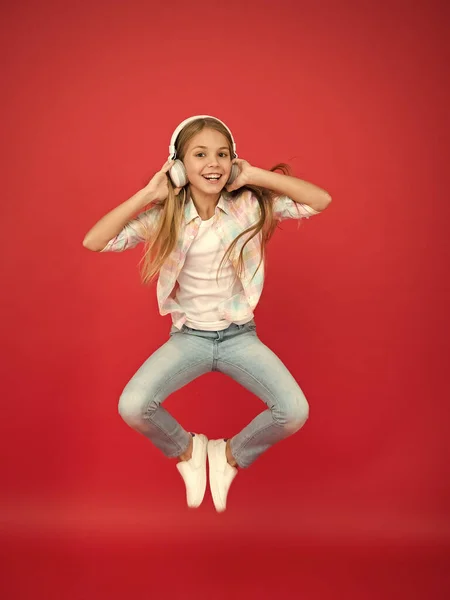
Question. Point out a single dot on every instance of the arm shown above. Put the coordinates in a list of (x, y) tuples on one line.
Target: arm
[(114, 221), (298, 190)]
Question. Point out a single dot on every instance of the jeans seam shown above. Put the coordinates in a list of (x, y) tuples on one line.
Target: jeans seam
[(146, 415), (249, 439), (247, 373), (168, 437), (173, 377)]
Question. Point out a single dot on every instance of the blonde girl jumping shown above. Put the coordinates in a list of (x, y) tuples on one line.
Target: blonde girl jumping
[(205, 219)]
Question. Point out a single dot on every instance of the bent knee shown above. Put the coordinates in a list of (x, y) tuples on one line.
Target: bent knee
[(295, 417), (133, 406), (128, 410)]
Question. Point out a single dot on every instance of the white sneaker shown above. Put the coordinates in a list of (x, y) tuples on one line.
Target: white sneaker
[(193, 471), (221, 473)]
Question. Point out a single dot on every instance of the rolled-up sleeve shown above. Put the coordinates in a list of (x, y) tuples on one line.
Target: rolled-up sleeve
[(286, 208), (135, 231)]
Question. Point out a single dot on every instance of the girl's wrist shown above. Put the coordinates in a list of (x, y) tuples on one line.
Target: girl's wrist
[(255, 176), (147, 195)]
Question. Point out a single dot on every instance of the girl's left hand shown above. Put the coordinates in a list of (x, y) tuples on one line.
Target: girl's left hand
[(244, 177)]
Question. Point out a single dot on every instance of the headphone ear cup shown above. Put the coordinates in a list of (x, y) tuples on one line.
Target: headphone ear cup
[(233, 174), (177, 174)]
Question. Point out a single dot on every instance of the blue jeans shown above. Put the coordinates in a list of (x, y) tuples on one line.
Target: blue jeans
[(236, 351)]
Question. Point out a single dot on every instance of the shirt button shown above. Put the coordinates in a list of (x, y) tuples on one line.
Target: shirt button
[(191, 237)]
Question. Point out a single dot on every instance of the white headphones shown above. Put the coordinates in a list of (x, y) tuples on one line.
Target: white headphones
[(177, 172)]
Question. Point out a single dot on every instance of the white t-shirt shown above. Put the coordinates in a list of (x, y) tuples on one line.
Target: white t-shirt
[(200, 292)]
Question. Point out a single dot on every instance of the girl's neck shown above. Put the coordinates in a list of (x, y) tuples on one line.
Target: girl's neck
[(204, 203)]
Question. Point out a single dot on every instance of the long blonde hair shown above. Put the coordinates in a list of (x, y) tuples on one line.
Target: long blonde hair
[(161, 242)]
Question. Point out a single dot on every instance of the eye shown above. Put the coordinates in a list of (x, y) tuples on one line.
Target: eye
[(199, 153), (224, 154)]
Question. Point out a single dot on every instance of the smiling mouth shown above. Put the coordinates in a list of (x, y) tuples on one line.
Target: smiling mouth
[(212, 178)]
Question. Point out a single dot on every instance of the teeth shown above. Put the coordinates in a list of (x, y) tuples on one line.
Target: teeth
[(211, 176)]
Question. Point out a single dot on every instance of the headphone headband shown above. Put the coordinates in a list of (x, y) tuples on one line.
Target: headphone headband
[(172, 152)]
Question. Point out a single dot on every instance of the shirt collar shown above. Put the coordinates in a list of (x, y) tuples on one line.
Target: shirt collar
[(190, 212)]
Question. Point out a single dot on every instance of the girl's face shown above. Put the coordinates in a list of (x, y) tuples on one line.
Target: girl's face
[(208, 155)]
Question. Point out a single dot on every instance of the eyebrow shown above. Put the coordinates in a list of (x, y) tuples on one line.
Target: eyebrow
[(206, 147)]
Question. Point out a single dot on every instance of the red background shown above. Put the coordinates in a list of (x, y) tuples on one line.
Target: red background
[(354, 96)]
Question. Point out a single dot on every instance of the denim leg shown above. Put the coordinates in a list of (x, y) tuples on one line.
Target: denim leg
[(180, 360), (252, 364)]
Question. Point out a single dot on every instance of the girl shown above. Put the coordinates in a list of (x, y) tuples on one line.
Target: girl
[(208, 217)]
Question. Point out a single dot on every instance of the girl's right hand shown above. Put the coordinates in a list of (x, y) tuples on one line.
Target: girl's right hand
[(158, 184)]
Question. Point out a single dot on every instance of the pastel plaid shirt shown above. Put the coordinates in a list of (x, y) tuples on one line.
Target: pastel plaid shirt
[(232, 217)]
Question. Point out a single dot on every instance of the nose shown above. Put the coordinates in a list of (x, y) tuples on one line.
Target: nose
[(213, 161)]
